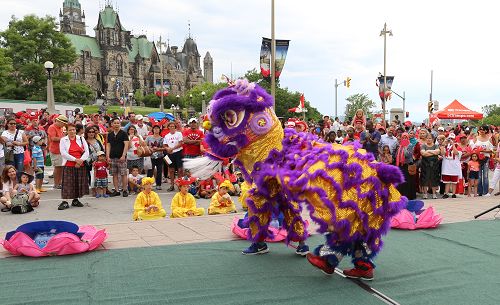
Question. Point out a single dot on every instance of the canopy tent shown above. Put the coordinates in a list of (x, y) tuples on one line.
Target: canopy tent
[(456, 110), (161, 115)]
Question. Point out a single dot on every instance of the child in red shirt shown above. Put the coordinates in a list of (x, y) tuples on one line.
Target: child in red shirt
[(101, 175)]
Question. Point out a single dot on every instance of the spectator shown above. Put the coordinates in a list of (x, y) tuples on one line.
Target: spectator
[(38, 163), (183, 204), (155, 142), (496, 174), (9, 180), (100, 171), (15, 140), (430, 168), (55, 134), (74, 151), (339, 138), (483, 142), (330, 137), (450, 168), (389, 140), (142, 129), (473, 173), (351, 137), (359, 122), (192, 138), (370, 139), (172, 142), (404, 160), (385, 155), (116, 153), (133, 159), (336, 125)]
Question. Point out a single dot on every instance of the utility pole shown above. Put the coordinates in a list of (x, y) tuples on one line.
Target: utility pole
[(384, 33), (430, 96), (273, 57)]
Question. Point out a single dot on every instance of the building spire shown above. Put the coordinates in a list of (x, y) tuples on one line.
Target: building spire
[(189, 28)]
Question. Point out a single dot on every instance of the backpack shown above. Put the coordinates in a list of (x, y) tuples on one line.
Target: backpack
[(20, 204)]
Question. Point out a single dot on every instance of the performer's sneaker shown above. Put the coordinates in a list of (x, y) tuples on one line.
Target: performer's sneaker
[(256, 248), (320, 263), (302, 250), (357, 273)]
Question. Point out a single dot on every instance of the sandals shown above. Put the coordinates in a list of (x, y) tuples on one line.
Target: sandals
[(63, 206)]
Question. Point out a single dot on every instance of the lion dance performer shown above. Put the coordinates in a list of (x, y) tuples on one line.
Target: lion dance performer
[(346, 192)]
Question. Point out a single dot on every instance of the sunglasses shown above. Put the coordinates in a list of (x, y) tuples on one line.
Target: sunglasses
[(12, 123), (91, 132)]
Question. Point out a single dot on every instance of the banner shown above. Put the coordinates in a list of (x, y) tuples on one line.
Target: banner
[(166, 84), (265, 57), (380, 84)]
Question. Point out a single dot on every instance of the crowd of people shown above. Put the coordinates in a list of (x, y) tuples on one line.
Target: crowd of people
[(142, 155)]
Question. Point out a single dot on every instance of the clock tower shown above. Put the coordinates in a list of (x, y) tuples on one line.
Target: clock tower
[(71, 18)]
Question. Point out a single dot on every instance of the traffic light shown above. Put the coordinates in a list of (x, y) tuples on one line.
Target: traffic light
[(430, 107), (407, 114), (348, 82)]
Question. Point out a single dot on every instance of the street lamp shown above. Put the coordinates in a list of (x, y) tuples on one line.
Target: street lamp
[(51, 105), (203, 103), (130, 99), (384, 33)]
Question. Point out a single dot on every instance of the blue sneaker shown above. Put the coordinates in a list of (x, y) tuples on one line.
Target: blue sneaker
[(256, 248), (97, 196), (105, 196), (302, 250)]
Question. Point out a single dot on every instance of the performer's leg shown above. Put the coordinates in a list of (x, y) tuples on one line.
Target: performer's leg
[(363, 264), (295, 226), (259, 217), (327, 257)]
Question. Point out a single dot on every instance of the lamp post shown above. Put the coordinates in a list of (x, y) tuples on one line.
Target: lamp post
[(203, 103), (384, 33), (51, 105), (273, 57), (404, 101), (190, 109), (130, 99)]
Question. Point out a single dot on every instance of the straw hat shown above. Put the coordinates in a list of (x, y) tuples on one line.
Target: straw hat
[(63, 119)]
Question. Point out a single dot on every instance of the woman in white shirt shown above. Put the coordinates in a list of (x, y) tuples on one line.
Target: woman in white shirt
[(15, 139), (135, 141), (483, 141), (172, 142)]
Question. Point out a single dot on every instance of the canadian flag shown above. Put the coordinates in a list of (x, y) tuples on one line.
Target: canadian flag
[(301, 108)]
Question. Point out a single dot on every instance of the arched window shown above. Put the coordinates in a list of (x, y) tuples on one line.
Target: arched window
[(98, 77), (76, 74), (119, 65)]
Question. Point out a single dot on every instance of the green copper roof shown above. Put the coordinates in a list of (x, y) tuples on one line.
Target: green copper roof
[(140, 45), (108, 18), (85, 43), (71, 3)]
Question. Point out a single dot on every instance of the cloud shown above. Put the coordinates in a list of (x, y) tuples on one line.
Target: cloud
[(330, 40)]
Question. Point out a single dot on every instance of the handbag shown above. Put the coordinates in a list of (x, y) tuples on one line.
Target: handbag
[(27, 157), (9, 151), (144, 151), (412, 169), (20, 204)]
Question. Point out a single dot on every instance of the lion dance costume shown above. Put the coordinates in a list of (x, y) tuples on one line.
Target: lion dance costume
[(346, 192)]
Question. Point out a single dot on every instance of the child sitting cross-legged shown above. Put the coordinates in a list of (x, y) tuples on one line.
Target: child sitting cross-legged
[(221, 201), (134, 180), (25, 187), (183, 203), (148, 205)]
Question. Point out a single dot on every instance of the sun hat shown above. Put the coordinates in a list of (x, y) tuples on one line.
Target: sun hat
[(62, 118)]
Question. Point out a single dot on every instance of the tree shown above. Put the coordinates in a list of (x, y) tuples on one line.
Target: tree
[(6, 69), (151, 100), (358, 101), (196, 91), (490, 110), (29, 42)]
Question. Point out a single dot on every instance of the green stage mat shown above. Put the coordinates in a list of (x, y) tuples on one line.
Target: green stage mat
[(455, 264)]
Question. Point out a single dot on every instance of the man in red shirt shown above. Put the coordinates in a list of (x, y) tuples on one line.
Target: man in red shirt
[(192, 138), (55, 133)]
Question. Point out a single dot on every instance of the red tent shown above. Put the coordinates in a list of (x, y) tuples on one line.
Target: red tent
[(456, 110)]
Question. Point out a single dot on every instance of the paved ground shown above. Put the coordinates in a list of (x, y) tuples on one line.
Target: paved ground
[(115, 214)]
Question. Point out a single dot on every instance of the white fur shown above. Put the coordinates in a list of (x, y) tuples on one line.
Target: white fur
[(202, 167)]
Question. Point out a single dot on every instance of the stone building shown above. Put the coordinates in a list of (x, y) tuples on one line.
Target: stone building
[(115, 62)]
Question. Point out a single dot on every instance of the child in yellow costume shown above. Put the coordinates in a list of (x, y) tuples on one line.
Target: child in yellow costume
[(183, 203), (221, 201), (147, 205)]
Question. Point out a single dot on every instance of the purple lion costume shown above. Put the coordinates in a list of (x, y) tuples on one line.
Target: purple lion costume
[(350, 195)]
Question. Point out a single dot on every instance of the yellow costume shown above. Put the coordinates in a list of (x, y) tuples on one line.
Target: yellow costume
[(182, 204), (143, 201), (221, 205)]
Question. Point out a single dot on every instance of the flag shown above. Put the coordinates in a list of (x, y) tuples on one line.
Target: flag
[(265, 57), (302, 101), (380, 84)]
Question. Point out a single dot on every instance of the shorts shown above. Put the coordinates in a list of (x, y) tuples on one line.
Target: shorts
[(56, 159), (176, 159), (39, 175), (474, 175), (139, 163), (101, 182), (449, 179), (118, 168)]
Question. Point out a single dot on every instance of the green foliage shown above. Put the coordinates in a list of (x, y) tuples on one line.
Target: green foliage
[(490, 110), (196, 92), (285, 99), (119, 109), (28, 43), (151, 100), (358, 101), (139, 96), (6, 69), (493, 119)]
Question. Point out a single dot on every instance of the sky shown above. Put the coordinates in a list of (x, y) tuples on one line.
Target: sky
[(329, 40)]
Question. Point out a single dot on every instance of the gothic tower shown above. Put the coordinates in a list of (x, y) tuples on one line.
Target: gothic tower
[(208, 68), (71, 18)]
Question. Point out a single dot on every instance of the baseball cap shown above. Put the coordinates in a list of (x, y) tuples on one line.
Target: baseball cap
[(191, 120), (36, 139), (451, 135), (100, 153), (441, 128), (139, 117)]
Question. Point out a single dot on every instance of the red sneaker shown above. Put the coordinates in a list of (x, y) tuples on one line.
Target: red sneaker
[(320, 263), (357, 273)]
